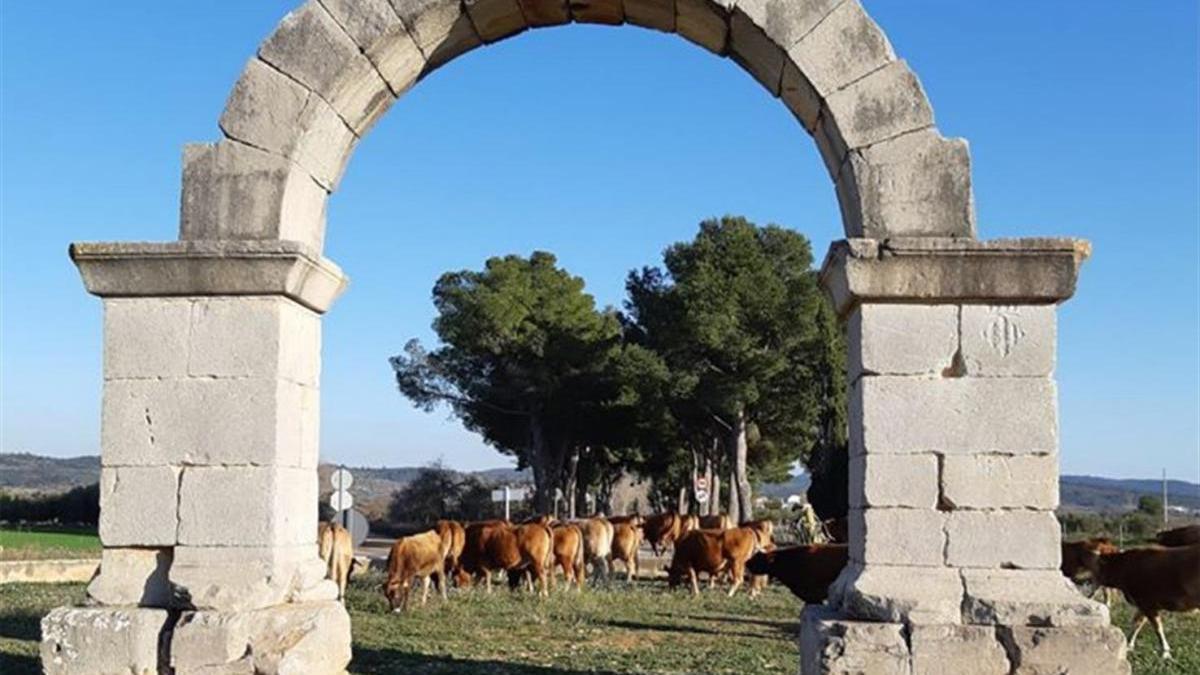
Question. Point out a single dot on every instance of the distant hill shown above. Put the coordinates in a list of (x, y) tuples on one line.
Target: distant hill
[(24, 472)]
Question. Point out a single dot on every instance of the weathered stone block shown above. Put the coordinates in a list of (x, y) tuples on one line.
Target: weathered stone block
[(784, 21), (1010, 539), (894, 480), (842, 48), (916, 184), (312, 48), (433, 24), (1027, 598), (270, 111), (901, 340), (832, 644), (884, 104), (146, 337), (657, 14), (757, 53), (207, 421), (610, 12), (247, 506), (1000, 481), (799, 96), (379, 33), (138, 506), (132, 576), (704, 22), (896, 536), (103, 640), (1009, 341), (234, 191), (300, 638), (546, 12), (261, 337), (953, 650), (914, 595), (1093, 650), (965, 415), (496, 19), (241, 578)]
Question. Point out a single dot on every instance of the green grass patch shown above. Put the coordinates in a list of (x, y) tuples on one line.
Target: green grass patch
[(48, 543), (614, 630)]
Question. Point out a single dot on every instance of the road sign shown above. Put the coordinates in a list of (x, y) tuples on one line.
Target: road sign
[(702, 496), (701, 484), (341, 500), (357, 525), (513, 494), (341, 479)]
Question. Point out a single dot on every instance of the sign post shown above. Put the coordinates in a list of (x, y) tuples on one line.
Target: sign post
[(341, 500), (506, 495)]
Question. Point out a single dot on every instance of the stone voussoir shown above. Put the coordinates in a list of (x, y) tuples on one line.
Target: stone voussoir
[(656, 14), (840, 48), (382, 37), (884, 104), (496, 19), (757, 53), (704, 22)]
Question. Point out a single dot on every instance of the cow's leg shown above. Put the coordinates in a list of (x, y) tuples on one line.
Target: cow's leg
[(1165, 647), (580, 573), (1139, 620), (541, 574), (635, 564), (488, 576), (695, 579), (443, 581), (425, 589), (737, 574)]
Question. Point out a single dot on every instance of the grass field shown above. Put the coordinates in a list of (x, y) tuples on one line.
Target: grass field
[(602, 631), (47, 544)]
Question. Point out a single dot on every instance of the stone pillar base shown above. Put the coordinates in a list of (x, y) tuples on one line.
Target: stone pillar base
[(831, 644), (103, 640), (310, 638)]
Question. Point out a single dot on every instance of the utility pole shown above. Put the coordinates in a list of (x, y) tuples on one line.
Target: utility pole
[(1165, 505)]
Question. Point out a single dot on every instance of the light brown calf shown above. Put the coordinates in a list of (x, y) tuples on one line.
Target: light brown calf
[(337, 552), (568, 553), (454, 537), (627, 537), (420, 555), (661, 530), (597, 544), (713, 552)]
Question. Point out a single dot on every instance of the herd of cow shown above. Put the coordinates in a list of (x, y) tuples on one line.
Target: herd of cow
[(1155, 579)]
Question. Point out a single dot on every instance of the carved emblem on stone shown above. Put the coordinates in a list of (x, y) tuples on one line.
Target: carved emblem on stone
[(1004, 331)]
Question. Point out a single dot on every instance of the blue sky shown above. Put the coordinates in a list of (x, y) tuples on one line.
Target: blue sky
[(604, 145)]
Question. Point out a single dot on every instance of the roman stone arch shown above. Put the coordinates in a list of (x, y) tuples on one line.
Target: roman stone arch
[(212, 359)]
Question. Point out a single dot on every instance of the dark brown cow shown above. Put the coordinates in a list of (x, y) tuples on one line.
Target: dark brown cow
[(717, 522), (661, 530), (420, 555), (1180, 536), (1074, 567), (713, 552), (807, 571), (497, 545), (1154, 579), (688, 523)]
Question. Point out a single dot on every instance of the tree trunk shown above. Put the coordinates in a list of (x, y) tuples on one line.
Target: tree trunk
[(734, 509), (714, 492), (570, 481), (546, 471), (683, 501), (741, 476)]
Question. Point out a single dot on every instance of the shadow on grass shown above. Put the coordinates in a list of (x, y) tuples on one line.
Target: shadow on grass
[(382, 661), (21, 626), (789, 627), (11, 664), (686, 630)]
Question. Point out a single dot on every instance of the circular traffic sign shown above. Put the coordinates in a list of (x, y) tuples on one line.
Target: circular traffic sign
[(341, 479), (341, 500), (701, 495)]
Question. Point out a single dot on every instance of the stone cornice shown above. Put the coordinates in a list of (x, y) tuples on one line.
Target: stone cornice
[(229, 267), (942, 270)]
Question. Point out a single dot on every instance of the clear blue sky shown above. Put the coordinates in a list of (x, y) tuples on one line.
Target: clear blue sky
[(603, 145)]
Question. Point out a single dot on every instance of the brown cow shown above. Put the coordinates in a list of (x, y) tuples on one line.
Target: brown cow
[(765, 529), (454, 537), (497, 545), (713, 552), (1074, 567), (597, 544), (720, 521), (1153, 579), (337, 552), (568, 553), (688, 522), (661, 530), (806, 571), (1180, 536), (627, 537), (419, 555)]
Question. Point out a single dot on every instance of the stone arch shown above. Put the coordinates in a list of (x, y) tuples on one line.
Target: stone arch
[(212, 360), (333, 67)]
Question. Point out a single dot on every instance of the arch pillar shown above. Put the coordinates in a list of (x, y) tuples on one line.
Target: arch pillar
[(209, 450), (954, 545)]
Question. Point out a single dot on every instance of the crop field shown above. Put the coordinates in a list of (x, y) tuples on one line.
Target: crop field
[(47, 544), (614, 630)]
